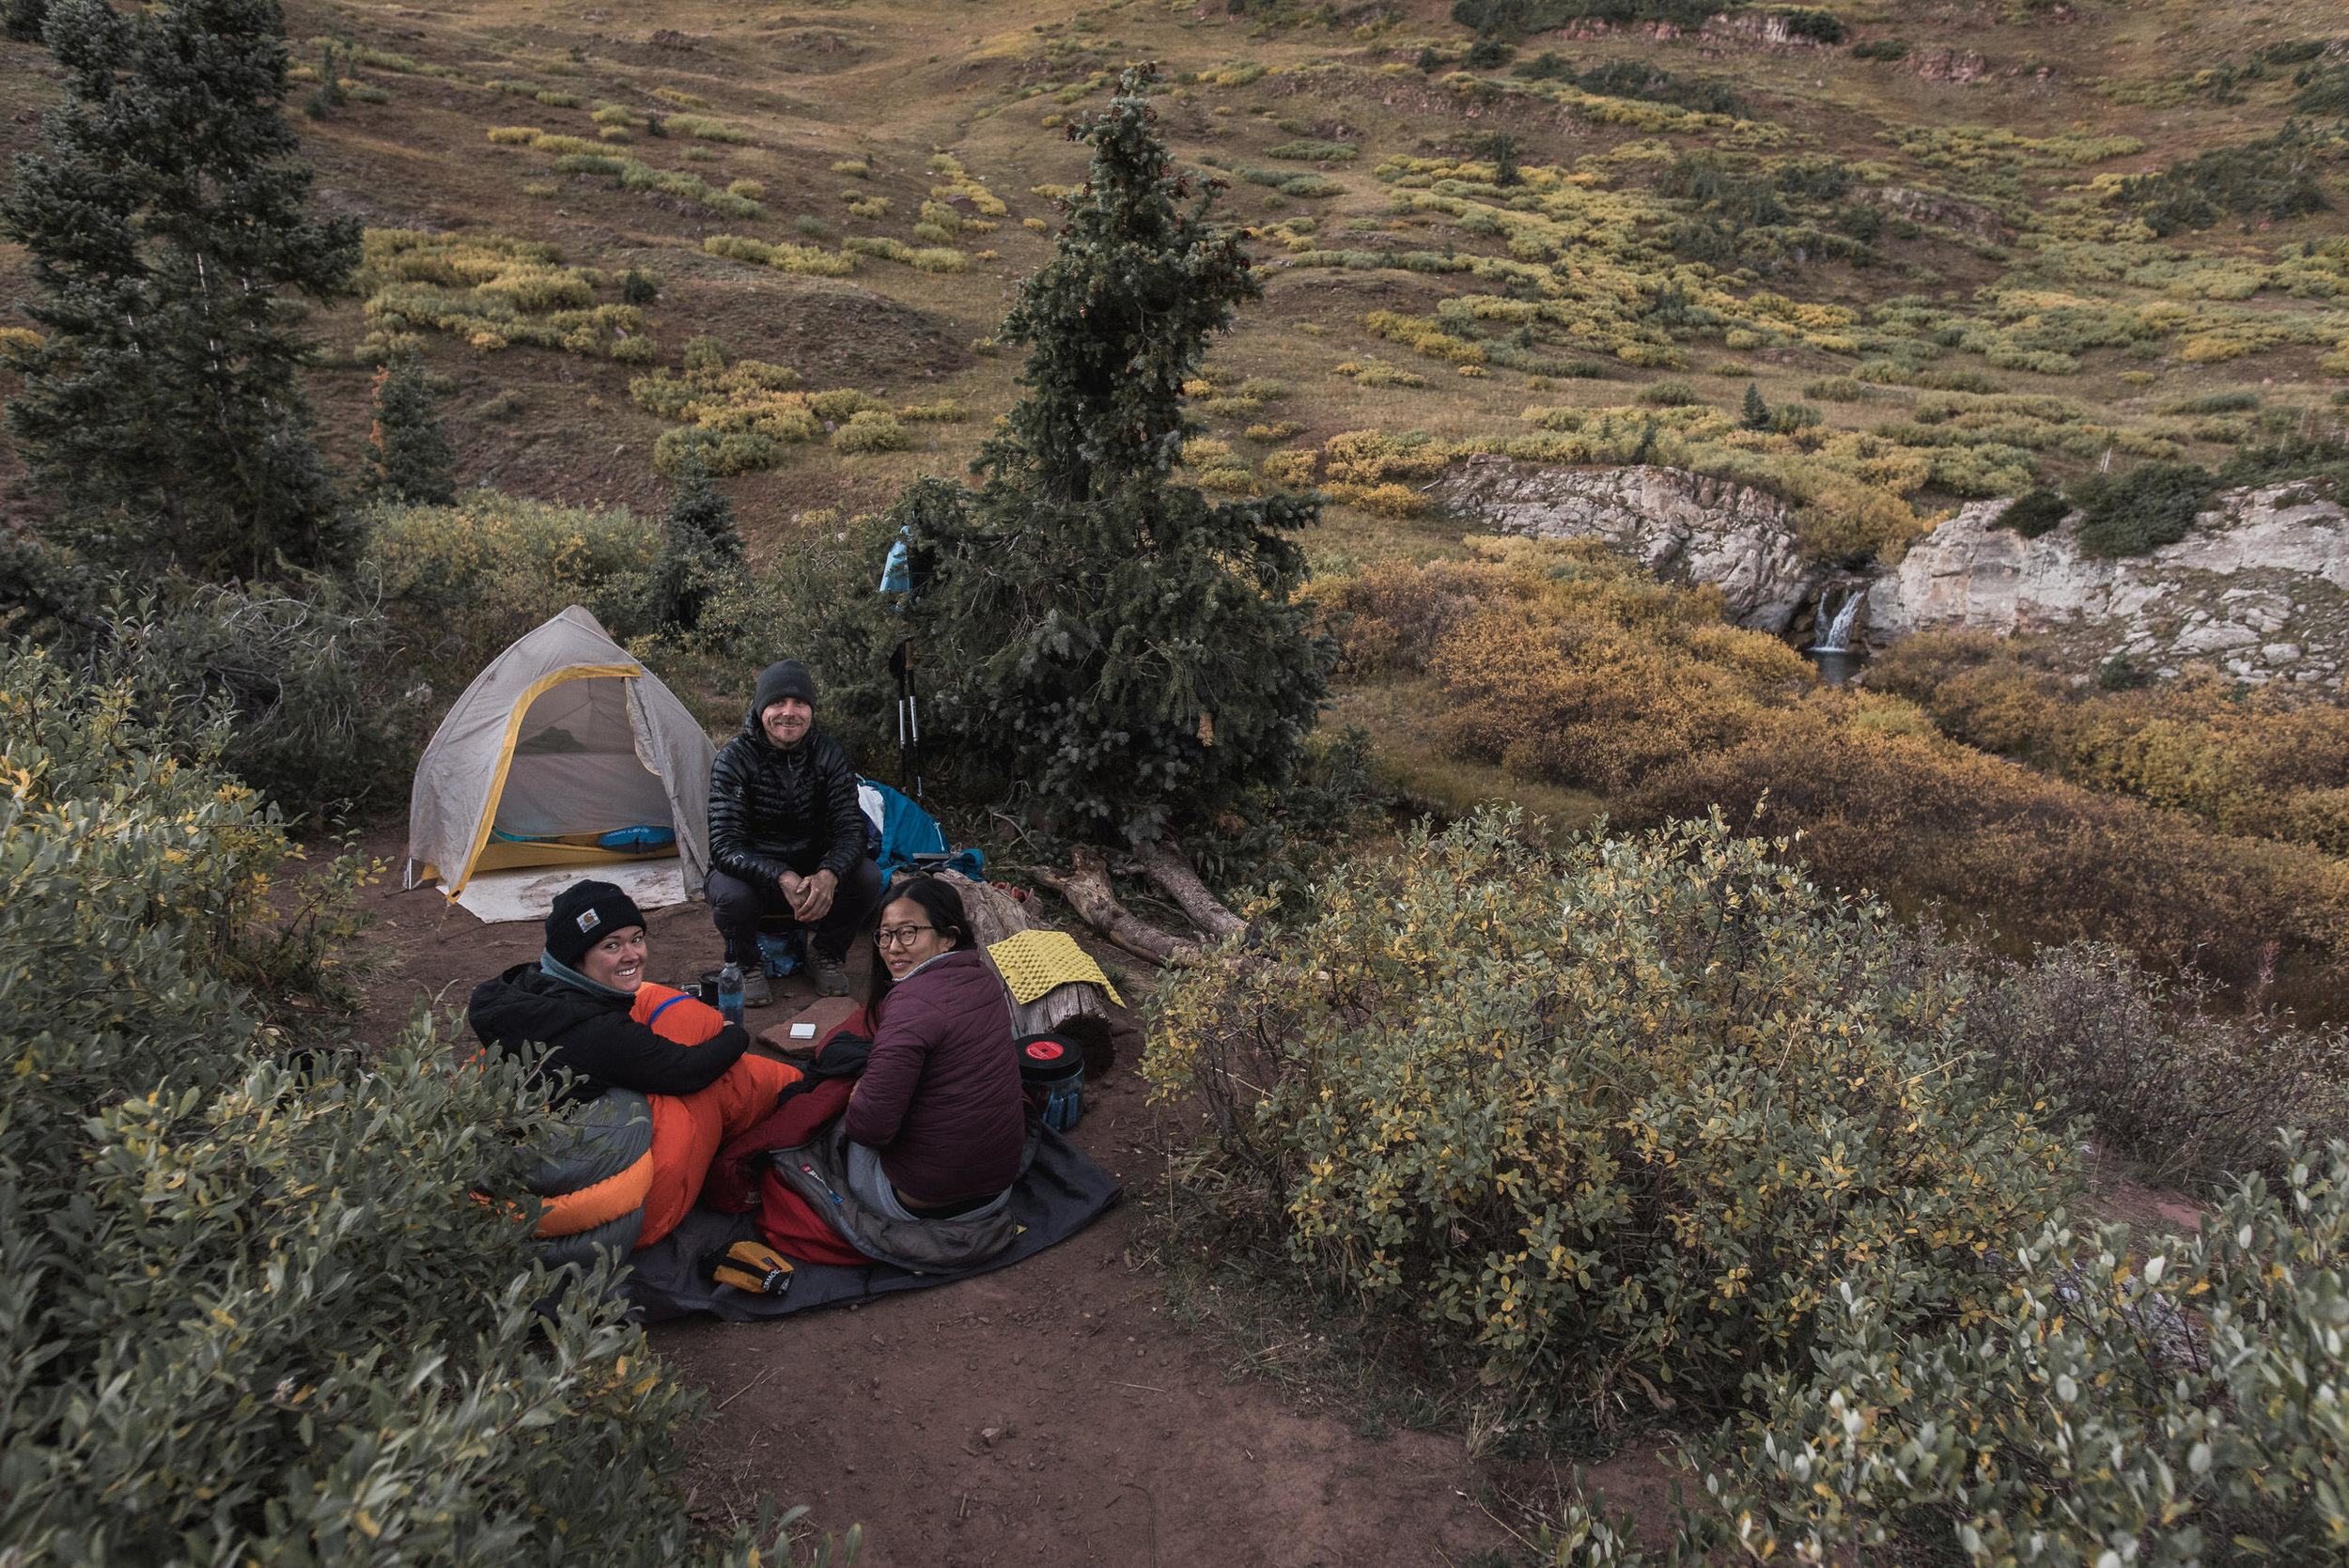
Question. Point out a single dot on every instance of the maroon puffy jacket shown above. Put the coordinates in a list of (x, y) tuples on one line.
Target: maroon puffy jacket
[(940, 1097)]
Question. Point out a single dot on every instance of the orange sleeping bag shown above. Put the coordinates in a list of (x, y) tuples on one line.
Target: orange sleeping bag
[(688, 1129)]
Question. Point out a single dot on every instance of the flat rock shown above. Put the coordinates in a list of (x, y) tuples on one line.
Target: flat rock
[(2260, 587), (1682, 526)]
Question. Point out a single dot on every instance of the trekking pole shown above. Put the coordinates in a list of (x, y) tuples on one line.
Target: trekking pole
[(909, 715)]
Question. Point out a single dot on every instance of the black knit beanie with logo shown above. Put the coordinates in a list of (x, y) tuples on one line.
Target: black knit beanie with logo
[(585, 914)]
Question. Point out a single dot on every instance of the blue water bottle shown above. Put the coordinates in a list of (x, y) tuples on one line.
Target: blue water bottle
[(730, 992)]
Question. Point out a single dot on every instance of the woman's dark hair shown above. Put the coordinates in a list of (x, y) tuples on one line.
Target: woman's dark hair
[(940, 900)]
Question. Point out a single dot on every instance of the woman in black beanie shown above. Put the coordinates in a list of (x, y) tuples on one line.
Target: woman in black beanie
[(572, 1008), (586, 1009)]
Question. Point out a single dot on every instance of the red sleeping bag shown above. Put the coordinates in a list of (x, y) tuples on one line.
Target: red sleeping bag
[(785, 1223)]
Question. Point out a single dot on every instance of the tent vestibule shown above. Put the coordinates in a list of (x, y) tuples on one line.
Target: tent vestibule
[(564, 752)]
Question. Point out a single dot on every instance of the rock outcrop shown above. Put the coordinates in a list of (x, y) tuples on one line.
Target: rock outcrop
[(2260, 588), (1682, 526)]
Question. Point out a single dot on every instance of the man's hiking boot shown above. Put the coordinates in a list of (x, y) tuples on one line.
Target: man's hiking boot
[(830, 974), (755, 991)]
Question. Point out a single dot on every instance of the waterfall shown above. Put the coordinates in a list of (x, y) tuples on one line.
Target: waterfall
[(1835, 635)]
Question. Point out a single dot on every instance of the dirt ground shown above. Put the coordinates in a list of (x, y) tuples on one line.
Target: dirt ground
[(1049, 1412)]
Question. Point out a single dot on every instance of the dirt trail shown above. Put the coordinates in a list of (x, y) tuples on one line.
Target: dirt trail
[(1118, 1438)]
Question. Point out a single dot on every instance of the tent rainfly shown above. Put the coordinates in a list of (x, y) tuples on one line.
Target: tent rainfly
[(564, 752)]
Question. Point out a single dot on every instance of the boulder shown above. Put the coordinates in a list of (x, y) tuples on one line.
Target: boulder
[(1682, 526), (2260, 587)]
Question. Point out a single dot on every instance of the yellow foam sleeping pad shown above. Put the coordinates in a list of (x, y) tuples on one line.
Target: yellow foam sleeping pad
[(1033, 962)]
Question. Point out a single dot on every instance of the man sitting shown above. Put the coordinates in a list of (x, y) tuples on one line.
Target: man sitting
[(787, 835)]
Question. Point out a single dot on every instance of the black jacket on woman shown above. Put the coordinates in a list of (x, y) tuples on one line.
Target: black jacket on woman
[(770, 809), (529, 1014)]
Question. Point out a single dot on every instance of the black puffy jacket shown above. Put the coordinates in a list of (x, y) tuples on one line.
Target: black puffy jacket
[(528, 1013), (769, 807)]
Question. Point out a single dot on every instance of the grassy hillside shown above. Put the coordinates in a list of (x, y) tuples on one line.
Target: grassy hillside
[(1962, 249), (1883, 241)]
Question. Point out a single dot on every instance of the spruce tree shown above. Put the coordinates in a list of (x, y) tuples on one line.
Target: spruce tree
[(1756, 413), (409, 452), (165, 218), (21, 18), (1106, 653), (699, 544)]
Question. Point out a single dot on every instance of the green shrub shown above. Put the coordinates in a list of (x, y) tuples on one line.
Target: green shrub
[(2151, 505), (1608, 1119), (706, 130), (258, 1312), (1928, 821), (872, 430), (463, 581), (489, 291), (1636, 79), (843, 403), (2187, 1091), (2263, 763), (1670, 393), (1315, 152), (2216, 402), (723, 453), (2273, 177), (298, 666), (806, 259), (2035, 512), (2322, 91), (2127, 1400), (1882, 49), (1289, 182)]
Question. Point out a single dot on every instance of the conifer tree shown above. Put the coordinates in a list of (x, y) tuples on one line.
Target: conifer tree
[(1756, 413), (1109, 654), (21, 18), (165, 217), (699, 544), (409, 452)]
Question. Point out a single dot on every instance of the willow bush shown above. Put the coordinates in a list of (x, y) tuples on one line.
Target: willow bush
[(1610, 1122), (460, 581), (1565, 665), (2170, 1401), (254, 1311), (302, 665), (2269, 762)]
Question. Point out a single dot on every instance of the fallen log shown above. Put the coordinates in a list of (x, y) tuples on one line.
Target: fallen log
[(1086, 886), (1164, 864)]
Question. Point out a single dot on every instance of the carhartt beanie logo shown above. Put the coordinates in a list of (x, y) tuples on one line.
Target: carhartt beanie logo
[(583, 914)]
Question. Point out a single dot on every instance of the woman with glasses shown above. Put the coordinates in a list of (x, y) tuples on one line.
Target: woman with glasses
[(938, 1123)]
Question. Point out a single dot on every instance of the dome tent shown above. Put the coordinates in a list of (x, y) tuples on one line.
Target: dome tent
[(565, 751)]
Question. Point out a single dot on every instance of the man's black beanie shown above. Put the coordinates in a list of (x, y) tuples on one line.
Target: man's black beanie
[(584, 913), (787, 679)]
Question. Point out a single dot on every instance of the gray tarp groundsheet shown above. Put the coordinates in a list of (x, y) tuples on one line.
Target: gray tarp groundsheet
[(1062, 1194)]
